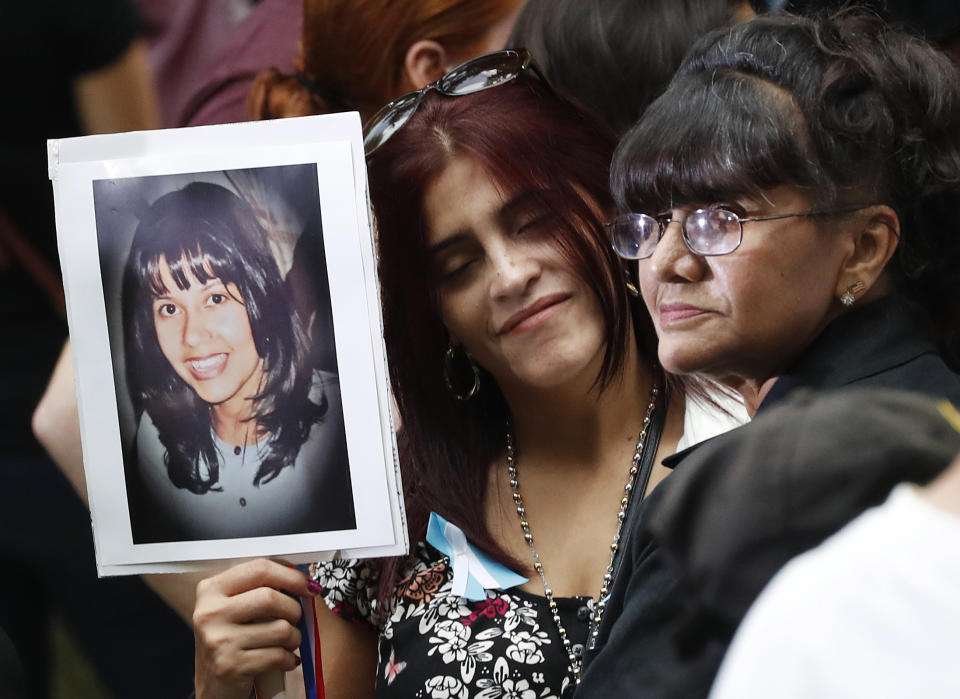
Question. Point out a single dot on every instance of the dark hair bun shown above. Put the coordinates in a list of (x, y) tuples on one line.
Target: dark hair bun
[(890, 104)]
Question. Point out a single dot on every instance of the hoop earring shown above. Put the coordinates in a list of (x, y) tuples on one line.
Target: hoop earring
[(449, 361), (848, 297)]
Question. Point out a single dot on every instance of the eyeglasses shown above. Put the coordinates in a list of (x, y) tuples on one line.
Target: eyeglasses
[(714, 231), (482, 73)]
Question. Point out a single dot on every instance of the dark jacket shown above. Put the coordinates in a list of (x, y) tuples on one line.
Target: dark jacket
[(703, 545), (884, 345)]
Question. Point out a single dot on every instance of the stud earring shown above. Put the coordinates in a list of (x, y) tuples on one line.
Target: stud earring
[(450, 361), (848, 297)]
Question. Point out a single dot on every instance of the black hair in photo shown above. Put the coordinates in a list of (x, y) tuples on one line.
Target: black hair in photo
[(844, 107), (207, 231)]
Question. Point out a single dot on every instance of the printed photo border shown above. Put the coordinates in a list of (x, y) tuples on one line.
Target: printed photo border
[(334, 144)]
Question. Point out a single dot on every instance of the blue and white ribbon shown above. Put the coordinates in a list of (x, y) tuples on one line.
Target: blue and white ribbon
[(473, 571)]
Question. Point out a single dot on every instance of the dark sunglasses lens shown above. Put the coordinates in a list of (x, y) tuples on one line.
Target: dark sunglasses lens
[(634, 236), (712, 231), (389, 119), (480, 73)]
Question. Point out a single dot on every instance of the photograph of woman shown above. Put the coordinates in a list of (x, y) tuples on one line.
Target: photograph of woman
[(238, 420)]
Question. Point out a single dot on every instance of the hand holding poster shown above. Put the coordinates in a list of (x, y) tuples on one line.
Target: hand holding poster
[(224, 314)]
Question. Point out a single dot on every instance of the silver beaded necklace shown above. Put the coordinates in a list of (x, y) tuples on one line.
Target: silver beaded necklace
[(576, 664)]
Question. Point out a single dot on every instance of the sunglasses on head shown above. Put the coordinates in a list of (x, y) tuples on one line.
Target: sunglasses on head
[(481, 73)]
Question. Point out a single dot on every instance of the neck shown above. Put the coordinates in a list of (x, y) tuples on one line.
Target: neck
[(234, 420), (577, 425), (752, 390), (233, 427), (754, 382)]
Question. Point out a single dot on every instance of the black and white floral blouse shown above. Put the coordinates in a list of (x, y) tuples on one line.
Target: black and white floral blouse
[(437, 645)]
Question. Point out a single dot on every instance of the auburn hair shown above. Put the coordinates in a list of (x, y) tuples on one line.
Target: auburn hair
[(529, 142)]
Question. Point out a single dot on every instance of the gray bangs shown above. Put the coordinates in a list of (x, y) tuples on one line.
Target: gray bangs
[(713, 136)]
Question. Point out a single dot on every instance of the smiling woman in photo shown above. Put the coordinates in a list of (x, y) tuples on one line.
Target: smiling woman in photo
[(238, 435)]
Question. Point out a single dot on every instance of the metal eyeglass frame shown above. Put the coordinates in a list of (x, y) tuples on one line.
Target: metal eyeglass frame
[(662, 224)]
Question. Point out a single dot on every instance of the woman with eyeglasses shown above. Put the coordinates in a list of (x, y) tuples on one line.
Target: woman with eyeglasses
[(794, 198), (793, 202), (533, 414)]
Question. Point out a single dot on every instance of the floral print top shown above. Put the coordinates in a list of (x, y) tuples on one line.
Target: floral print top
[(437, 645)]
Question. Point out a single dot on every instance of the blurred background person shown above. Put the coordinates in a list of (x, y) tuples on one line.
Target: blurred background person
[(360, 54), (238, 41), (873, 611), (186, 38), (612, 58), (71, 69)]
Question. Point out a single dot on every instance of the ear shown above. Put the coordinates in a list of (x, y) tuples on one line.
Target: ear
[(873, 243), (425, 62)]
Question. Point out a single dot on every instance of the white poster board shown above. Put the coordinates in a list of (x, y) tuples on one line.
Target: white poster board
[(224, 315)]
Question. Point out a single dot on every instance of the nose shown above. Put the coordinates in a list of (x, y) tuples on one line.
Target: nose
[(195, 329), (514, 269), (672, 259)]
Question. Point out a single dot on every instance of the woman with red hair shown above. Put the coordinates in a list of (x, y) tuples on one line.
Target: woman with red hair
[(533, 411)]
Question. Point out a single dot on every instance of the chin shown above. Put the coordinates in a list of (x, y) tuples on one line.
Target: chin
[(547, 374), (213, 395), (679, 361), (210, 398), (544, 382)]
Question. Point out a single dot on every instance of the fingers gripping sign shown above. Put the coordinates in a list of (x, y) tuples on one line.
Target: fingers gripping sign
[(245, 626)]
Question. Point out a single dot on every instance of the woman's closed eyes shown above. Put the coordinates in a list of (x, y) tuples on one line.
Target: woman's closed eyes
[(457, 256)]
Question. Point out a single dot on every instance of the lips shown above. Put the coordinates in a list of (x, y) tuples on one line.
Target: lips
[(672, 313), (532, 315), (208, 367)]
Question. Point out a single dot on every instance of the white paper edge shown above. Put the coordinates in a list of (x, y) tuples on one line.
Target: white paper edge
[(399, 515), (290, 131)]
